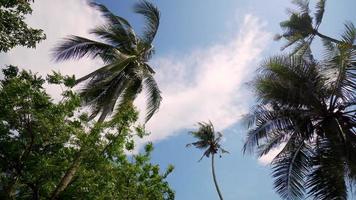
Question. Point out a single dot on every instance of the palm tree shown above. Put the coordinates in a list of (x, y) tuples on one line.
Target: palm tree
[(125, 55), (301, 28), (126, 71), (209, 141), (307, 109)]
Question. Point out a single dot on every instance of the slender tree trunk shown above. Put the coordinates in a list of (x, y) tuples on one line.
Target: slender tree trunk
[(214, 177), (331, 39), (68, 176), (72, 170)]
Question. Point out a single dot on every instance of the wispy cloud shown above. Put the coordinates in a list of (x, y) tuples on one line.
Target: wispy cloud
[(210, 83)]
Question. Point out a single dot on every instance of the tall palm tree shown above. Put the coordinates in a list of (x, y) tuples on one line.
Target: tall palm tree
[(126, 71), (125, 55), (209, 141), (301, 27), (307, 108)]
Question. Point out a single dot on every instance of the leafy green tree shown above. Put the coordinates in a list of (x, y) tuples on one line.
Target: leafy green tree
[(209, 141), (302, 26), (125, 55), (39, 140), (307, 108), (13, 29)]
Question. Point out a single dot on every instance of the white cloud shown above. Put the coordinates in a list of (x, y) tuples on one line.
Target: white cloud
[(208, 84), (58, 19)]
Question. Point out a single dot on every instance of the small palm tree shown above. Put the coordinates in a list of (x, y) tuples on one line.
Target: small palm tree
[(307, 108), (125, 55), (301, 27), (209, 141)]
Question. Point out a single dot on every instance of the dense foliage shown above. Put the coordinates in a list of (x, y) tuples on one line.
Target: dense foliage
[(13, 29), (39, 139)]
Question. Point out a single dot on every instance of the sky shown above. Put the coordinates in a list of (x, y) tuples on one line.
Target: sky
[(206, 53)]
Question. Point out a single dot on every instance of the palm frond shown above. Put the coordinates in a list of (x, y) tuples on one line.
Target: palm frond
[(273, 141), (289, 81), (120, 38), (326, 181), (102, 96), (349, 35), (110, 70), (75, 47), (303, 5), (290, 168), (109, 16), (153, 96), (152, 16), (133, 88), (340, 66), (319, 13)]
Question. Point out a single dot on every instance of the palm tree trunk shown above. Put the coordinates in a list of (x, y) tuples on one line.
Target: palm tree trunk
[(214, 177), (331, 39), (68, 176)]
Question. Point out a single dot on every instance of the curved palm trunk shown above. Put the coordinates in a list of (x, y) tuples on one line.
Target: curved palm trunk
[(70, 173), (331, 39), (68, 176), (214, 177)]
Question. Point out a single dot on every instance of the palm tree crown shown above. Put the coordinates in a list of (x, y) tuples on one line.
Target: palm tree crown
[(307, 108), (208, 140), (303, 25), (125, 55)]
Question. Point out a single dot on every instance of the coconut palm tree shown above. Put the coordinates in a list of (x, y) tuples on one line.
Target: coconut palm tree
[(125, 55), (126, 71), (301, 27), (209, 141), (307, 110)]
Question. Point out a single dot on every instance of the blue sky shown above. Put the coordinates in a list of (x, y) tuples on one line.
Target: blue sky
[(206, 51)]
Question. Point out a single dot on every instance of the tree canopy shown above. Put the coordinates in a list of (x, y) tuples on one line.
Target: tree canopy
[(13, 29), (40, 138)]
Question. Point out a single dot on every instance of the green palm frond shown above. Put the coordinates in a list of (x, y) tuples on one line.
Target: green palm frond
[(290, 167), (274, 140), (153, 96), (289, 81), (340, 66), (109, 16), (133, 88), (152, 16), (75, 47), (208, 139), (109, 71), (303, 5), (319, 13), (125, 42), (326, 181)]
